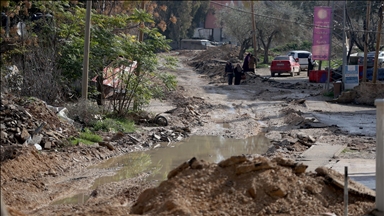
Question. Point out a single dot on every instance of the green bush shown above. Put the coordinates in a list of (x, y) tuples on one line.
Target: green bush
[(113, 125), (87, 137)]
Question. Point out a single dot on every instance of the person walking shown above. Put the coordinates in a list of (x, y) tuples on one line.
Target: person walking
[(229, 72), (238, 73)]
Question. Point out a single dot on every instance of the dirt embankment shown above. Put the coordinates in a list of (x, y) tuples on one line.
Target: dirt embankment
[(244, 185)]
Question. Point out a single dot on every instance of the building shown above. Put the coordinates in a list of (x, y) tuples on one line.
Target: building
[(210, 25)]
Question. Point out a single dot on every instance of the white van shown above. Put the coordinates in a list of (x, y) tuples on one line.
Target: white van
[(302, 57)]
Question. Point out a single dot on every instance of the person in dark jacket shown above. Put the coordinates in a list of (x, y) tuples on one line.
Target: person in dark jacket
[(238, 73), (311, 64), (229, 72), (246, 62), (251, 63)]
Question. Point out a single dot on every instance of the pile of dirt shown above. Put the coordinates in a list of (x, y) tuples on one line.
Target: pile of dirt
[(225, 53), (211, 62), (245, 185), (365, 93), (30, 121)]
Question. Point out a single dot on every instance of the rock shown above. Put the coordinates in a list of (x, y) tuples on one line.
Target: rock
[(311, 139), (117, 136), (232, 160), (24, 135), (328, 214), (302, 136), (284, 162), (196, 165), (157, 137), (300, 168), (3, 135), (245, 168), (252, 192), (108, 145), (277, 192), (38, 147), (47, 145)]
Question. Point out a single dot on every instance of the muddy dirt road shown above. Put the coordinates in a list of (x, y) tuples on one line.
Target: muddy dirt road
[(289, 111)]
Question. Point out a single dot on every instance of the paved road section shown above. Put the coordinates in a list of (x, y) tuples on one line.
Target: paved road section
[(320, 154)]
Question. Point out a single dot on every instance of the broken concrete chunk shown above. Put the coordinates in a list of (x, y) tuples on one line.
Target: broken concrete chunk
[(47, 145), (36, 139), (311, 139), (157, 137)]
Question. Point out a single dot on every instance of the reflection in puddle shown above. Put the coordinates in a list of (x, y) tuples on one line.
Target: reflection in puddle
[(208, 148), (160, 161), (80, 198), (129, 166)]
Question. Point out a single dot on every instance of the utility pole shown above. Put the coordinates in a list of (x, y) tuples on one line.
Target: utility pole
[(344, 45), (378, 43), (141, 34), (254, 34), (84, 92), (141, 38), (366, 41)]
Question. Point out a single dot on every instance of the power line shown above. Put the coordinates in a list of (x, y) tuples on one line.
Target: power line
[(285, 20)]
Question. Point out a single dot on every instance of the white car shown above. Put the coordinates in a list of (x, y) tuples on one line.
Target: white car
[(302, 57)]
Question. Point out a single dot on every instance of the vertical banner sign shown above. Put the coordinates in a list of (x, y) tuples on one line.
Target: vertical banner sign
[(321, 33), (351, 76)]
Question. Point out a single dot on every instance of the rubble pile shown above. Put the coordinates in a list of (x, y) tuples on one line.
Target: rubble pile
[(225, 52), (189, 111), (29, 121), (211, 62), (245, 185)]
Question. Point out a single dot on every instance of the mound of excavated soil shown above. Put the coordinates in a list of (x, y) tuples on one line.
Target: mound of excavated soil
[(226, 52), (252, 186)]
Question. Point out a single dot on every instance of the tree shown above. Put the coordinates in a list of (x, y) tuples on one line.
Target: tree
[(53, 54), (275, 22), (279, 23), (237, 27), (177, 19)]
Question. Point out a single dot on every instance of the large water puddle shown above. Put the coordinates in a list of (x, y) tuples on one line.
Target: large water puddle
[(160, 161)]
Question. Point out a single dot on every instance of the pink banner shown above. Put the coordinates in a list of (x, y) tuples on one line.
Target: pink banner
[(321, 33)]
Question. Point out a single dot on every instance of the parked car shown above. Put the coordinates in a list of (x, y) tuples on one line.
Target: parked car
[(381, 59), (371, 59), (302, 57), (284, 64)]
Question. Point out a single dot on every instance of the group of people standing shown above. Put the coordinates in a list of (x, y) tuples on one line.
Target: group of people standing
[(238, 71), (233, 72)]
